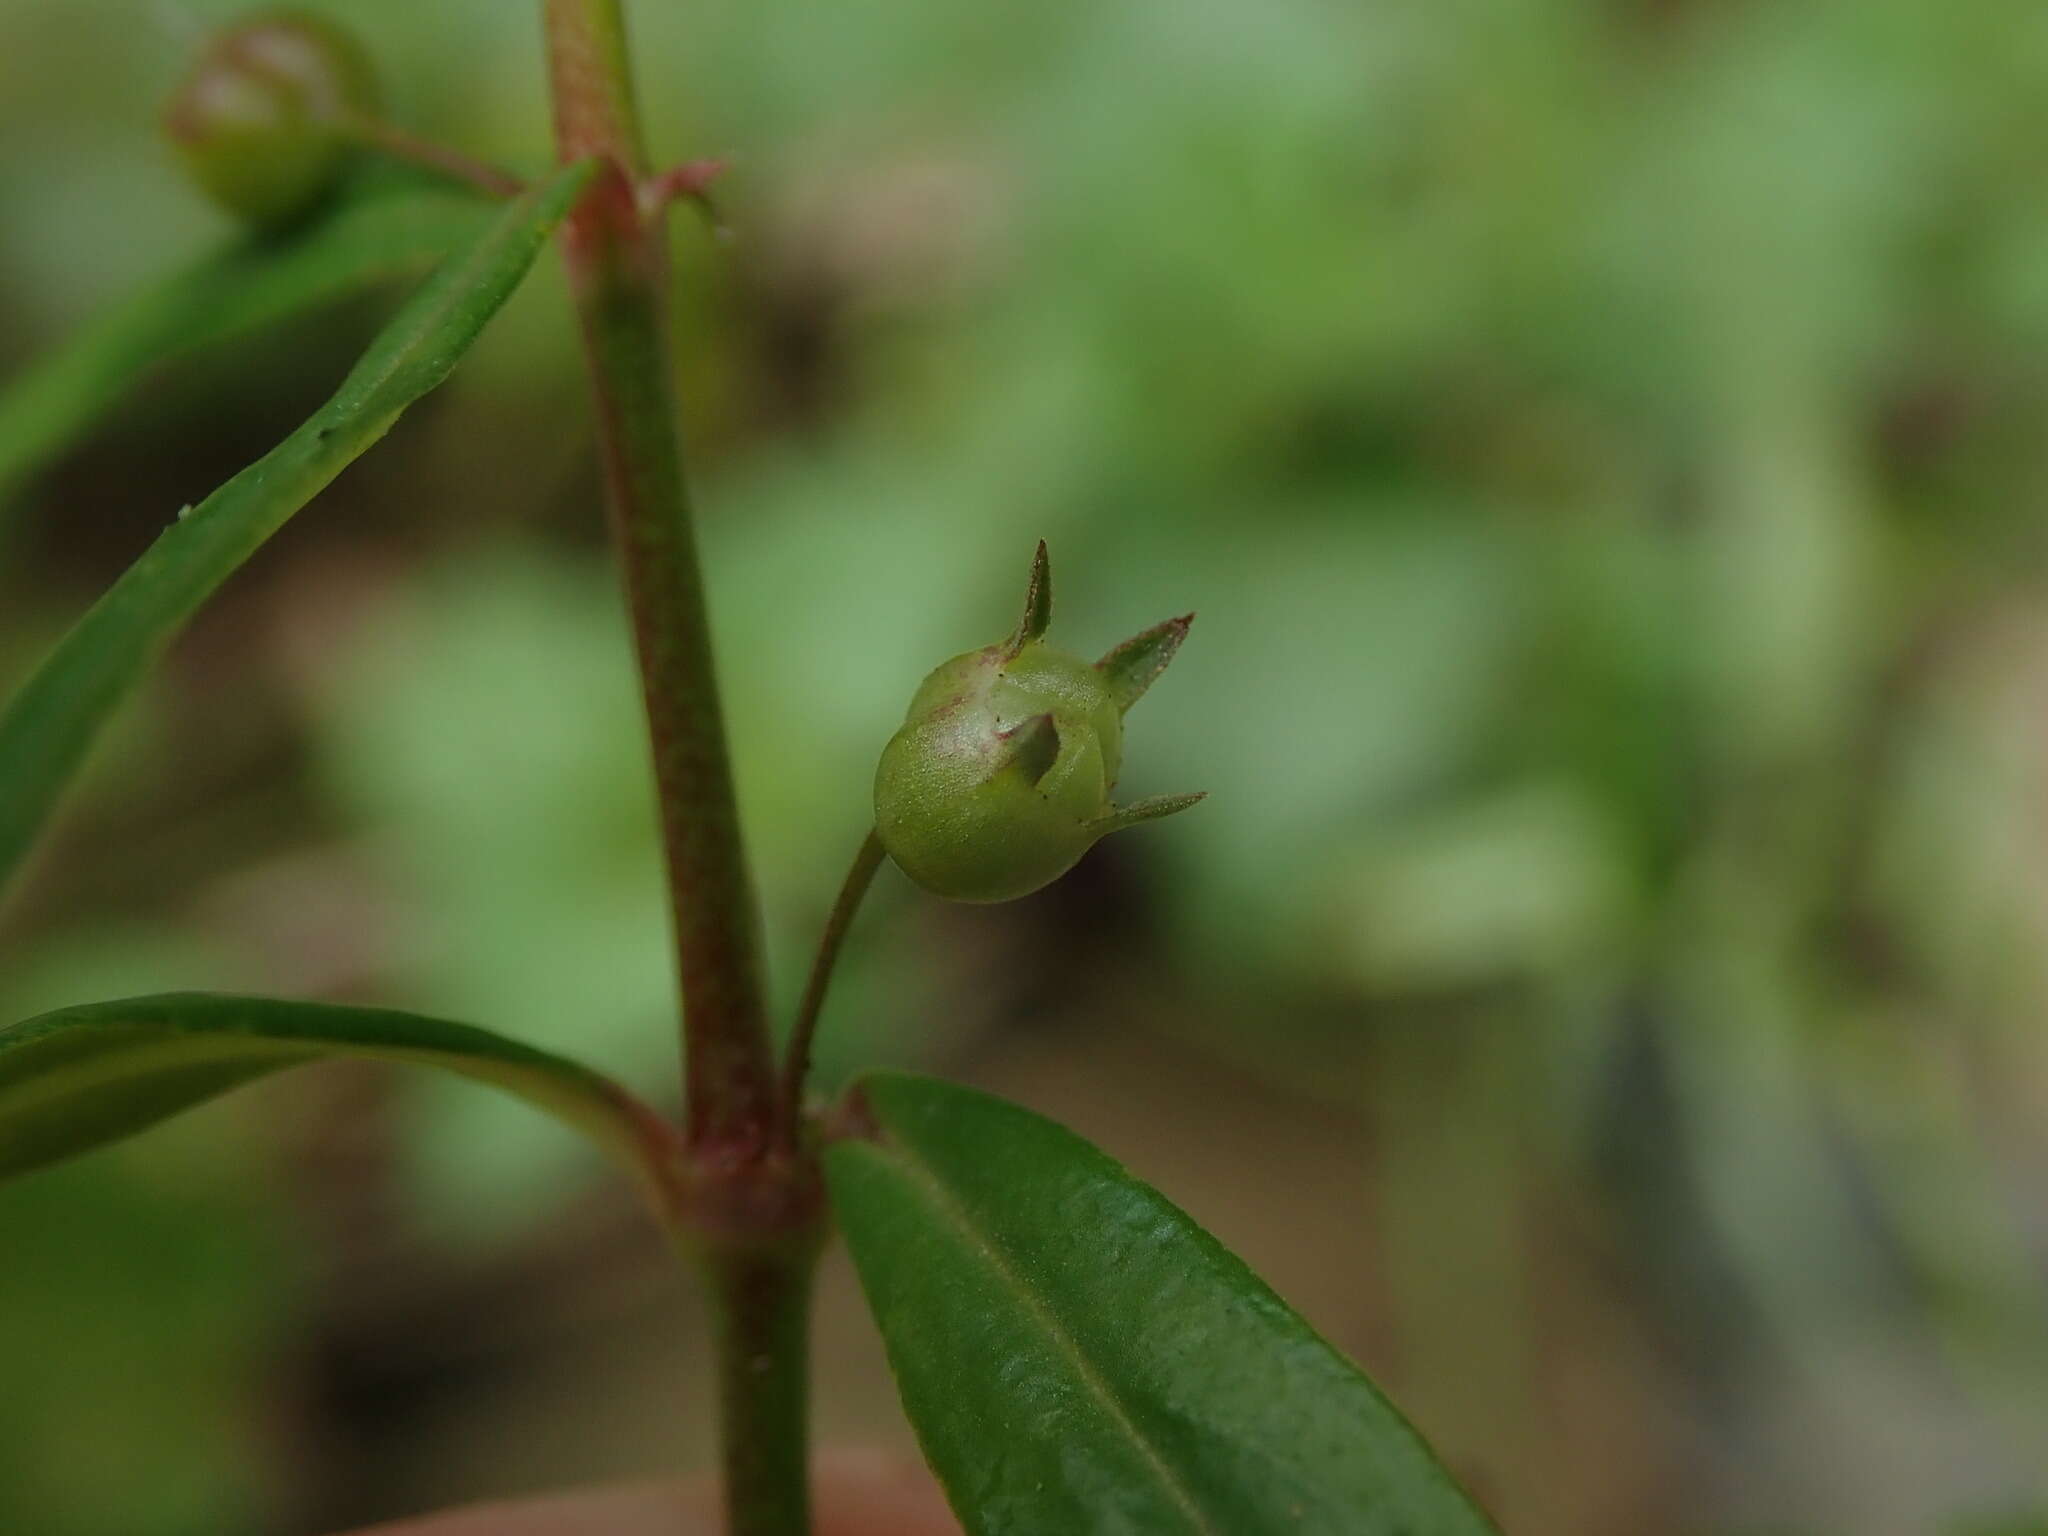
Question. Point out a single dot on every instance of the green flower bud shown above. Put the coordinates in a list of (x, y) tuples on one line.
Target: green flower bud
[(1000, 778), (262, 121)]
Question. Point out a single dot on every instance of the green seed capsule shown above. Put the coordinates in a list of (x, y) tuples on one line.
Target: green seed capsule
[(262, 120), (1000, 778)]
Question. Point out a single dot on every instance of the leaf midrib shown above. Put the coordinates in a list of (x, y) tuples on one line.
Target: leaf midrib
[(1091, 1377)]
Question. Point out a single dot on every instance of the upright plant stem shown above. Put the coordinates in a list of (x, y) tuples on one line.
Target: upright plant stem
[(619, 269), (752, 1212), (760, 1311)]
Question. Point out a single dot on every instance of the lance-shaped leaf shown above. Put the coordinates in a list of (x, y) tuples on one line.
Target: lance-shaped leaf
[(81, 1077), (1077, 1356), (1132, 667), (254, 281), (49, 726)]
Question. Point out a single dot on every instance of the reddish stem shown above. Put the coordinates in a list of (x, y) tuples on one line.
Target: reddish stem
[(751, 1207), (618, 269)]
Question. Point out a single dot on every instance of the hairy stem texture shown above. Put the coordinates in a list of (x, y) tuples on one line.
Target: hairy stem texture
[(618, 269)]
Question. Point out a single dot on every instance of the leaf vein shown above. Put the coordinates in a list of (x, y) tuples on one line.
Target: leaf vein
[(1090, 1376)]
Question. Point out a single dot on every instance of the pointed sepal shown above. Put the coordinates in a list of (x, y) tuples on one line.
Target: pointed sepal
[(1152, 808), (1037, 604), (1132, 667)]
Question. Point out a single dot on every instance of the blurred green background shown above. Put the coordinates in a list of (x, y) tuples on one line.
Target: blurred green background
[(1604, 442)]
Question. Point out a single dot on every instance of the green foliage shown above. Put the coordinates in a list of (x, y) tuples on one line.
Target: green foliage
[(52, 722), (1077, 1355), (78, 1078), (385, 233)]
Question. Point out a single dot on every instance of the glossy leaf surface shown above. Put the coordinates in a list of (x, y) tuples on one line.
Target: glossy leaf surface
[(252, 282), (50, 725), (1079, 1357), (76, 1079)]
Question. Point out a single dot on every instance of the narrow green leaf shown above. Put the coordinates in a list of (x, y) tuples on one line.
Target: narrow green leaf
[(76, 1079), (50, 725), (252, 282), (1078, 1356)]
